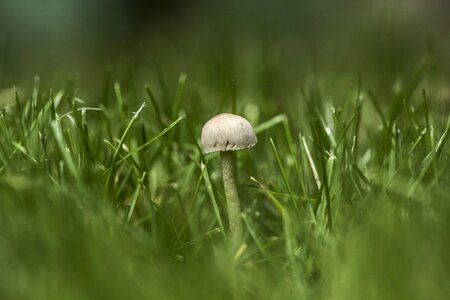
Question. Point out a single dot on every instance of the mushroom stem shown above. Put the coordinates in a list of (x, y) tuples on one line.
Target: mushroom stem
[(231, 194)]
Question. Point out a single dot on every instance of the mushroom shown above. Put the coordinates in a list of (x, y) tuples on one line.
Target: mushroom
[(226, 133)]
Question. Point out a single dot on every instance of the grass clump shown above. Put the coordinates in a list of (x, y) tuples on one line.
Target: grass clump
[(114, 198)]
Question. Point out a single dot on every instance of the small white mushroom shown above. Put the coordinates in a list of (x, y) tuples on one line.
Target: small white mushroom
[(226, 133)]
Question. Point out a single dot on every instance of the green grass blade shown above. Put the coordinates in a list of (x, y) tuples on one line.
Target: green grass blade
[(210, 191), (283, 173)]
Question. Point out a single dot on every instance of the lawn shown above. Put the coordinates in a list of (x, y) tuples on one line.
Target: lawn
[(107, 193)]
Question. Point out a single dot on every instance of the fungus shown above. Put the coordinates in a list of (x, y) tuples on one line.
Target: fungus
[(226, 133)]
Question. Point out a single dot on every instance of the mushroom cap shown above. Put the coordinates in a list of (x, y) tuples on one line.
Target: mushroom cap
[(227, 132)]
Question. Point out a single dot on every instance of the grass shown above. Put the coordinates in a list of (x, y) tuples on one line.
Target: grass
[(111, 199)]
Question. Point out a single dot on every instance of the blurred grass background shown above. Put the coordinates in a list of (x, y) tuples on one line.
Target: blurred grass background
[(362, 85), (293, 39)]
